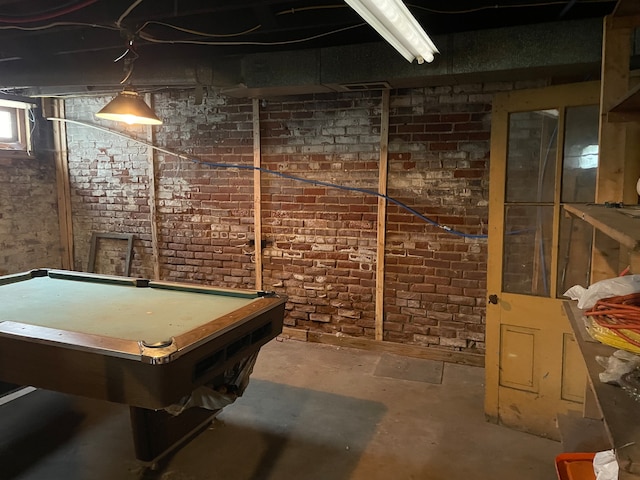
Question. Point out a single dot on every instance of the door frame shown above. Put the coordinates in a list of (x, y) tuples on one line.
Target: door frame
[(587, 93)]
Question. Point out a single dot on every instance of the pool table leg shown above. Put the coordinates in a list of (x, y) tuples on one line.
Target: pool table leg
[(157, 433)]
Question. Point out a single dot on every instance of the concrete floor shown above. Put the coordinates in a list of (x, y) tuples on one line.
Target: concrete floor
[(310, 412)]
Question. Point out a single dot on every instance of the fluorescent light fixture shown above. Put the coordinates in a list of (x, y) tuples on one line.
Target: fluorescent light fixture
[(393, 20), (129, 107)]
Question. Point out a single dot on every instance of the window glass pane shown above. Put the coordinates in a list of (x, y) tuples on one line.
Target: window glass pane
[(580, 154), (574, 253), (531, 156), (6, 125), (526, 263)]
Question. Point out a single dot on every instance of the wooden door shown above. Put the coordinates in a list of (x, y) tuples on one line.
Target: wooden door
[(543, 154)]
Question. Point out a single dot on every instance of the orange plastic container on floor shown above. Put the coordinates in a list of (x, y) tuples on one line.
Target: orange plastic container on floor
[(575, 466)]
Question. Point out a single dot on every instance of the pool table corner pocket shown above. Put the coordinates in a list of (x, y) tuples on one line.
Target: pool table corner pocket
[(158, 353)]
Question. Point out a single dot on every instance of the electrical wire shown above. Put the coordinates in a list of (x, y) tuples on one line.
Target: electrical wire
[(47, 16), (497, 7), (278, 174), (128, 61), (127, 12), (250, 30), (316, 7), (71, 7), (57, 24), (32, 123), (195, 32), (42, 12), (151, 39)]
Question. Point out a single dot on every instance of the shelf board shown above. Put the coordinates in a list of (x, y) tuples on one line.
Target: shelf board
[(627, 108), (619, 411), (610, 221)]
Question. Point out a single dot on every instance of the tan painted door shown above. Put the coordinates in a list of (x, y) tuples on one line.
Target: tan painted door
[(543, 154)]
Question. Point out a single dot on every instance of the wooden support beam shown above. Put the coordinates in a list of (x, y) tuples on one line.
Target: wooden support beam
[(295, 334), (427, 353), (616, 53), (383, 168), (63, 186), (153, 203), (257, 194)]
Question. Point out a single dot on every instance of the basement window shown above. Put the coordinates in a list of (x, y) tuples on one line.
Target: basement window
[(15, 128)]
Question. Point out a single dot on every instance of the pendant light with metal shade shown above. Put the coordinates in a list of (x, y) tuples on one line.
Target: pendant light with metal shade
[(128, 106)]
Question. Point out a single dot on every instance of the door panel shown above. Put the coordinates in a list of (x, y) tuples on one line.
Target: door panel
[(541, 155), (517, 360)]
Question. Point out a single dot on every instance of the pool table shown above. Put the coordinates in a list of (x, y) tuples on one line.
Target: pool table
[(143, 343)]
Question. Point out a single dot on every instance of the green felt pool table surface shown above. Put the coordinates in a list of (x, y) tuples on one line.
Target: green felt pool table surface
[(150, 314)]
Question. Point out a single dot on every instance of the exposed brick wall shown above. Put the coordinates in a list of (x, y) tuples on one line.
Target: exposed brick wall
[(320, 241), (109, 178), (435, 284), (439, 155), (29, 233), (206, 213)]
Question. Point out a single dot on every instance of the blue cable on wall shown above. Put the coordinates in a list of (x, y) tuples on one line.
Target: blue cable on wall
[(280, 174), (343, 187)]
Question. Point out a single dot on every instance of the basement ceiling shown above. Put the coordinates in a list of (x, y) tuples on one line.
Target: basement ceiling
[(42, 28), (38, 36)]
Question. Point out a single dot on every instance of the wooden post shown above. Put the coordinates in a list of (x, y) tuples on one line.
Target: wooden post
[(616, 52), (153, 204), (382, 215), (63, 186), (257, 194)]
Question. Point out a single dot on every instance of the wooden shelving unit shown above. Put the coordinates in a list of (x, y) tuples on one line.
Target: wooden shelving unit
[(615, 231), (618, 169), (619, 411), (617, 225)]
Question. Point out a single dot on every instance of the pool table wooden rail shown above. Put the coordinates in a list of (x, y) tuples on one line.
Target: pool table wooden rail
[(155, 353)]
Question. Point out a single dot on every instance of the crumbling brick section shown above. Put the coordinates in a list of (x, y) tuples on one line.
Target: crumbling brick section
[(29, 233)]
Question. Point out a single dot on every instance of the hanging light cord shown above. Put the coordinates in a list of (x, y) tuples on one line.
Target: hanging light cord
[(278, 174), (129, 56)]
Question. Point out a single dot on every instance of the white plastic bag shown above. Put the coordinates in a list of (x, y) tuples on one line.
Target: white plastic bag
[(617, 365), (611, 287), (605, 465)]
